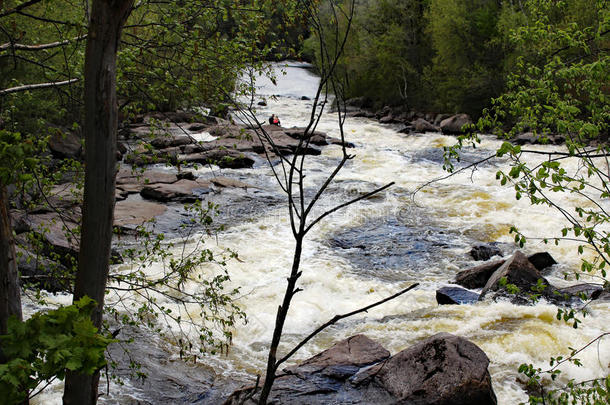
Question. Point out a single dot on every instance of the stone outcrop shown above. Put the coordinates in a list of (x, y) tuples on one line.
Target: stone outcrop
[(443, 369)]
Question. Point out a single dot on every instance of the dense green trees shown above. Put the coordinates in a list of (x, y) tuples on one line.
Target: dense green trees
[(445, 55)]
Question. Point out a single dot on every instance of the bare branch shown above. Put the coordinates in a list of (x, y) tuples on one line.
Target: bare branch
[(337, 318), (19, 8), (23, 47), (36, 86)]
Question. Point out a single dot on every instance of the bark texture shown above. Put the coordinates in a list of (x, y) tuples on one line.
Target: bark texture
[(101, 121), (10, 298)]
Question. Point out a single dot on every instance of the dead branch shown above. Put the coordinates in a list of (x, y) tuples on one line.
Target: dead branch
[(36, 86), (337, 318)]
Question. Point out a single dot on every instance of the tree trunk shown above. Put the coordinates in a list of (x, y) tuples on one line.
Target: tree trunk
[(100, 128), (10, 294)]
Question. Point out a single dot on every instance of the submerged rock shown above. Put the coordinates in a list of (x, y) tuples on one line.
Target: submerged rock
[(443, 369)]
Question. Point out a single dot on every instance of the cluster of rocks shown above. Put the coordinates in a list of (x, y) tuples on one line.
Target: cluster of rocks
[(48, 232), (518, 270), (216, 141), (412, 121), (443, 369)]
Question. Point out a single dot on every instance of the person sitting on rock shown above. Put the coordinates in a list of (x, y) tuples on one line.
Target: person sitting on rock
[(274, 120)]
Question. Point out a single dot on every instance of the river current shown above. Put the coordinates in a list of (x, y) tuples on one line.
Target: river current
[(379, 246)]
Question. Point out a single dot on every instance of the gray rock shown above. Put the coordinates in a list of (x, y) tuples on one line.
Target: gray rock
[(65, 144), (485, 252), (443, 369), (182, 191), (542, 260), (421, 125), (476, 277), (518, 270), (454, 124), (455, 296)]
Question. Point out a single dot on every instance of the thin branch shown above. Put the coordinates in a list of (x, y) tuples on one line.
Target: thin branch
[(36, 86), (350, 202), (23, 47), (19, 8), (337, 318)]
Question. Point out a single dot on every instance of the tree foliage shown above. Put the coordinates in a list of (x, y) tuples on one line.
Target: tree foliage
[(42, 348)]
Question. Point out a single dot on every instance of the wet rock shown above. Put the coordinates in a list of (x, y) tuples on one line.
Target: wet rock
[(150, 176), (455, 296), (196, 127), (57, 233), (42, 272), (134, 213), (454, 124), (222, 158), (222, 181), (525, 139), (485, 252), (590, 290), (476, 277), (262, 103), (181, 191), (541, 260), (518, 270), (421, 125), (321, 379), (359, 102), (65, 144), (443, 369), (305, 98), (352, 353), (166, 141)]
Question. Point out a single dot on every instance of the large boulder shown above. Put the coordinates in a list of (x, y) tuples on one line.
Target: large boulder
[(65, 144), (476, 277), (455, 123), (421, 125), (443, 369), (518, 271)]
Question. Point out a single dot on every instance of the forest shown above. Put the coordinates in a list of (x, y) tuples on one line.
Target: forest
[(134, 147)]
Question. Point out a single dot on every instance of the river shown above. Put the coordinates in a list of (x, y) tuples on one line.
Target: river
[(379, 246)]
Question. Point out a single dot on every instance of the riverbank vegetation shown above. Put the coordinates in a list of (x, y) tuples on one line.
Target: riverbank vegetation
[(455, 56)]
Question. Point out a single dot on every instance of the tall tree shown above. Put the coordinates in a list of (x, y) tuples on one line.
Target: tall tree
[(101, 122)]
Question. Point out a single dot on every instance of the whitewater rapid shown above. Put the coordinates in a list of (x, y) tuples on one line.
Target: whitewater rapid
[(379, 246)]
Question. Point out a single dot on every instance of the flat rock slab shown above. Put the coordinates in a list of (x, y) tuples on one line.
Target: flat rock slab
[(183, 191), (128, 176), (136, 212), (228, 182)]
